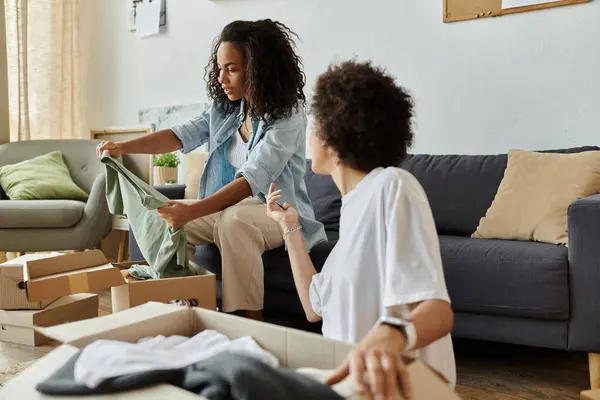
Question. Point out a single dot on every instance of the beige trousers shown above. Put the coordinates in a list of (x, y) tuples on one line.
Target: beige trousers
[(242, 233)]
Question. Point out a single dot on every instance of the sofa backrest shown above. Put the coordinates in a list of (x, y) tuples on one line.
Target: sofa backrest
[(325, 198), (460, 188), (79, 156)]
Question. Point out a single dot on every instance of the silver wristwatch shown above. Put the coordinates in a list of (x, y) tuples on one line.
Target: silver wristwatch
[(405, 326)]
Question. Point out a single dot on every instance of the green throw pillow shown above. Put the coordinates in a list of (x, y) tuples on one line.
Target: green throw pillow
[(44, 177)]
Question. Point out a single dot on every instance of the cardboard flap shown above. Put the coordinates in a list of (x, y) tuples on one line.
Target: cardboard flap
[(426, 384), (19, 261), (37, 268), (28, 317), (77, 331), (14, 268), (84, 272), (23, 385)]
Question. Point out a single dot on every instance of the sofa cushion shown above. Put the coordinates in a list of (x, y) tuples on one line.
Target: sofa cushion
[(40, 213), (193, 164), (278, 273), (505, 277), (535, 193), (44, 177), (461, 188), (325, 198)]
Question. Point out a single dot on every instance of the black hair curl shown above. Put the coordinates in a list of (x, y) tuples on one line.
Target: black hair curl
[(274, 77), (363, 115)]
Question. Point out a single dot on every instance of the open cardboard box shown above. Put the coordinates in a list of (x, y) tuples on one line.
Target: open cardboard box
[(293, 348), (12, 289), (90, 271), (202, 287), (18, 326), (84, 272)]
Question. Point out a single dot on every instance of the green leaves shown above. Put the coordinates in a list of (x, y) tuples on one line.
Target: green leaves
[(169, 160)]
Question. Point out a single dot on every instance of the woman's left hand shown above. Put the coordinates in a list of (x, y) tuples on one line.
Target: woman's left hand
[(285, 215), (176, 214), (379, 355)]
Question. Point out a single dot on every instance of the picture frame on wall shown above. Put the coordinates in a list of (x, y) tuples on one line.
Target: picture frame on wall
[(139, 164)]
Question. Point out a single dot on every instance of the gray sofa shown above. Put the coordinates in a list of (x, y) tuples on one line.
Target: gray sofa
[(518, 292), (45, 225)]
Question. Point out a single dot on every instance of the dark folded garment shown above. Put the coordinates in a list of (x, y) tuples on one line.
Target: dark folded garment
[(225, 376)]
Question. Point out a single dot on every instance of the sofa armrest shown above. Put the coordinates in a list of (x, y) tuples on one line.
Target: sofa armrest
[(96, 221), (584, 274), (173, 192)]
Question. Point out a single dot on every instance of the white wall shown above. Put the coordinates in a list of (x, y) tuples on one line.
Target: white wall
[(530, 80)]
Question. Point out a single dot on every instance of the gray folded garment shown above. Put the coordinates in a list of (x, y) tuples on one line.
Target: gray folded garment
[(164, 248), (225, 376)]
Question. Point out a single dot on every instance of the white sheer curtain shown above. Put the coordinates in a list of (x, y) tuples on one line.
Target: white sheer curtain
[(44, 74), (43, 59)]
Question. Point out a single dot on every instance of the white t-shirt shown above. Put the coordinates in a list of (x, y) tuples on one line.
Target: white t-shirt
[(387, 257), (105, 359)]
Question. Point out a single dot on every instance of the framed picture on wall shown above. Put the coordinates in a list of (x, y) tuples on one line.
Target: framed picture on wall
[(139, 164)]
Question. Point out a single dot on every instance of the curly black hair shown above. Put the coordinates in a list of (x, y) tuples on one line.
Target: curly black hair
[(274, 75), (363, 115)]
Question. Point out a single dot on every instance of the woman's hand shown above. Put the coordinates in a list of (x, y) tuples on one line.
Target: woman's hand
[(114, 149), (285, 215), (176, 214), (379, 354)]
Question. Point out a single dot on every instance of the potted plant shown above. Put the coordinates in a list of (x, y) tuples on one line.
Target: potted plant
[(165, 169)]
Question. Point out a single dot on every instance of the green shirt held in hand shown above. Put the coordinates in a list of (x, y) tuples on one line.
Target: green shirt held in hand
[(163, 247)]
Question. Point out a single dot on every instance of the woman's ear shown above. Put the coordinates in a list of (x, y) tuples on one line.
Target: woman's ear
[(333, 156)]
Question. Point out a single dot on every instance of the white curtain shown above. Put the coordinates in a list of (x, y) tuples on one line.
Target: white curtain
[(43, 59), (44, 74)]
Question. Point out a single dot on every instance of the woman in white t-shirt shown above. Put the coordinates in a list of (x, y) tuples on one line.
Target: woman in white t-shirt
[(383, 285)]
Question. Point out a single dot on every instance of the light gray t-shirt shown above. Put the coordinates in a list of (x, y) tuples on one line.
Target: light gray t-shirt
[(387, 257)]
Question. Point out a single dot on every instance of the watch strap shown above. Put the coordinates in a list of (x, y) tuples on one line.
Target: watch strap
[(406, 326)]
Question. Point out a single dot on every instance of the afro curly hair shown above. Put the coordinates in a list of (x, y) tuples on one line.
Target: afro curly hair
[(363, 115)]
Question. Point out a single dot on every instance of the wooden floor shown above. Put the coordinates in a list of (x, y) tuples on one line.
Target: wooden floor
[(498, 371), (486, 371)]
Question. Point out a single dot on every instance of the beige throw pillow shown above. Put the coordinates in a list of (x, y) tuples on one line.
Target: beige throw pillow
[(533, 197), (194, 163)]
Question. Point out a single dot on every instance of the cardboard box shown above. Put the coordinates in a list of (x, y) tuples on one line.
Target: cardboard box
[(590, 395), (17, 326), (293, 348), (134, 293), (83, 272), (13, 295)]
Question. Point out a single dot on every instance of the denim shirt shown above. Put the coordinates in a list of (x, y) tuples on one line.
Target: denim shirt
[(276, 154)]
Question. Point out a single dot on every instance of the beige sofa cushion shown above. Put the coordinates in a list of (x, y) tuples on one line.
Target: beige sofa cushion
[(193, 164), (533, 197)]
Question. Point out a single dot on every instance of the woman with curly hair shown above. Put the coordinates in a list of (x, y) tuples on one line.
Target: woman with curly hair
[(256, 129), (383, 285)]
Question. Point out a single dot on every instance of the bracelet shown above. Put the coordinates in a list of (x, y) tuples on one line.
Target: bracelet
[(292, 230)]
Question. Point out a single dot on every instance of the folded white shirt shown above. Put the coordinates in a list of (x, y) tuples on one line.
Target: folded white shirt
[(104, 359)]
